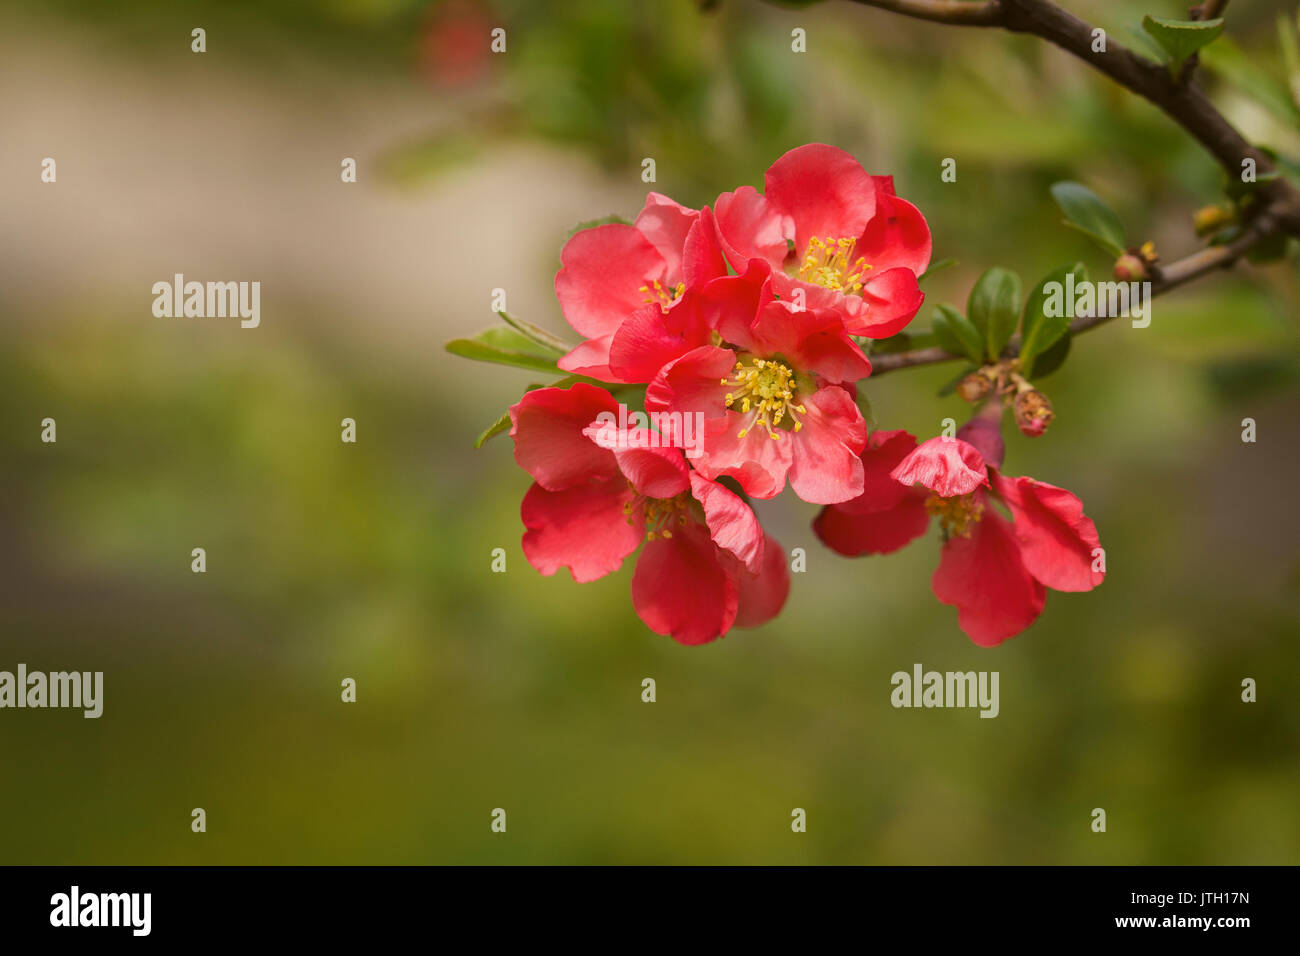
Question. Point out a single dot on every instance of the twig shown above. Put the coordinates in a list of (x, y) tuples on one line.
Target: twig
[(1165, 278), (1185, 103)]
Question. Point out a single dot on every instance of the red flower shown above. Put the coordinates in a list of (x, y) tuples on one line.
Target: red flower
[(993, 570), (706, 566), (845, 240), (772, 403), (610, 273)]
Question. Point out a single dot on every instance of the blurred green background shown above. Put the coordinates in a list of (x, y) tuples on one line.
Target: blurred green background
[(372, 561)]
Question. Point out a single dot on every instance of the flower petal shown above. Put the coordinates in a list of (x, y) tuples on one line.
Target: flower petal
[(692, 383), (680, 588), (897, 236), (984, 578), (547, 427), (892, 299), (750, 227), (603, 269), (825, 468), (650, 338), (581, 528), (824, 191), (947, 466), (1056, 538), (757, 461), (762, 595), (665, 224), (879, 532), (730, 520), (880, 490)]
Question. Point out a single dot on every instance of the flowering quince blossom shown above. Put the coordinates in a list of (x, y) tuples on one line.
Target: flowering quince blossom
[(613, 272), (834, 233), (993, 570), (706, 565), (742, 323), (774, 402)]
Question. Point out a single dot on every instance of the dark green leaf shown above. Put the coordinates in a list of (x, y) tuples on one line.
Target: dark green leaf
[(503, 346), (1181, 38), (936, 267), (957, 334), (496, 428), (1040, 331), (1052, 359), (1086, 211), (537, 335), (994, 308)]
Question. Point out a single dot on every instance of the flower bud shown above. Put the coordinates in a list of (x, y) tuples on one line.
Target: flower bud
[(1033, 412), (974, 387), (1211, 219), (1130, 268)]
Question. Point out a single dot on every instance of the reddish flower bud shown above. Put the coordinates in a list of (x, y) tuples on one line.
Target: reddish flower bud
[(975, 387), (1033, 412), (1130, 268)]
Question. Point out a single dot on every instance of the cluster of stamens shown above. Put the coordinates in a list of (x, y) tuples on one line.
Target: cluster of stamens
[(656, 293), (829, 262), (660, 513), (957, 515), (764, 391)]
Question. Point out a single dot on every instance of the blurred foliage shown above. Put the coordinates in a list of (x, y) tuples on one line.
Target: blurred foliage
[(479, 690)]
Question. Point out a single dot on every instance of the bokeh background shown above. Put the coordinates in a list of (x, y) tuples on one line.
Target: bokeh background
[(372, 561)]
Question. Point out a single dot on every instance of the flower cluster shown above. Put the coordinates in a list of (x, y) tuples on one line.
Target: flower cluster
[(741, 327)]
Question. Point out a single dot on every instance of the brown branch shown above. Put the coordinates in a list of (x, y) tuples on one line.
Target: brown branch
[(961, 12), (1164, 279), (1184, 102), (1208, 10)]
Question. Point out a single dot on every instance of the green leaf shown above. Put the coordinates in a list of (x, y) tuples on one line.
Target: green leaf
[(1086, 211), (1040, 331), (537, 335), (1181, 38), (496, 428), (957, 334), (936, 267), (994, 308), (503, 346), (900, 342), (613, 219), (1053, 358)]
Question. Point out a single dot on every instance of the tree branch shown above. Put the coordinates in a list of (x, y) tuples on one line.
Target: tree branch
[(1183, 102), (1165, 278)]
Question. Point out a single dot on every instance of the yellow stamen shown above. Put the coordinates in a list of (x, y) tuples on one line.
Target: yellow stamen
[(829, 262), (957, 515), (658, 294), (766, 392)]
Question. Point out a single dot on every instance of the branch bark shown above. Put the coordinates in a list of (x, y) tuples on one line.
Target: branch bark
[(1183, 102), (1167, 277)]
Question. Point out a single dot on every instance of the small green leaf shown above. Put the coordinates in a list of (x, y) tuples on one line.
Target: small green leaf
[(1086, 211), (1053, 358), (994, 308), (611, 220), (1181, 38), (537, 334), (503, 346), (936, 267), (1040, 331), (496, 428), (957, 334)]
